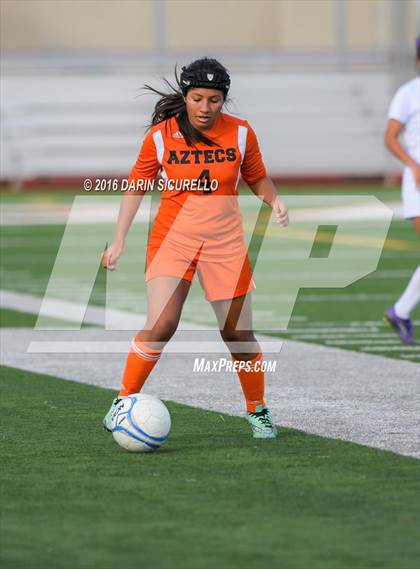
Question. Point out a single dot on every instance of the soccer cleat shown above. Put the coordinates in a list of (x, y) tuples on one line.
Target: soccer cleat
[(107, 420), (402, 326), (262, 423)]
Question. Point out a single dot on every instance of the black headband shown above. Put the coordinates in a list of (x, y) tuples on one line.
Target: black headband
[(208, 79)]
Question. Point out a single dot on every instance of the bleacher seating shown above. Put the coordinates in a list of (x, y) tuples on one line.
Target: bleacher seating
[(91, 124)]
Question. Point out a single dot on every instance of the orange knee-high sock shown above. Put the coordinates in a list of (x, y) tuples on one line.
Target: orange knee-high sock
[(140, 361), (252, 382)]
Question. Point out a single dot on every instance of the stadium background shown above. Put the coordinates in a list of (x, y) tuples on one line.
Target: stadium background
[(314, 78), (322, 71)]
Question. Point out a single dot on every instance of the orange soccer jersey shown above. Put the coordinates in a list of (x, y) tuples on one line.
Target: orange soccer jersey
[(196, 228)]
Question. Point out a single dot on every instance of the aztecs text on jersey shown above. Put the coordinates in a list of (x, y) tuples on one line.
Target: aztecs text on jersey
[(236, 151)]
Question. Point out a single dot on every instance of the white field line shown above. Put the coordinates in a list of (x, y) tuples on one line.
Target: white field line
[(65, 310), (52, 213), (352, 323), (115, 347), (345, 297), (331, 330), (361, 297), (22, 260), (391, 274), (121, 320), (324, 337), (388, 253), (357, 297), (365, 341), (48, 212), (267, 255), (395, 348), (335, 274), (355, 211)]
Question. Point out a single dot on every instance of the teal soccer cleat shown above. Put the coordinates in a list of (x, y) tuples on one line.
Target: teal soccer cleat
[(107, 420), (262, 423)]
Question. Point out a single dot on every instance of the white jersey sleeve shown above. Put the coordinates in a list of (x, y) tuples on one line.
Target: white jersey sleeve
[(400, 106), (405, 108)]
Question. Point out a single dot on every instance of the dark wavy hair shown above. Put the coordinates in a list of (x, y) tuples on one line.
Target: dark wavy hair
[(172, 104)]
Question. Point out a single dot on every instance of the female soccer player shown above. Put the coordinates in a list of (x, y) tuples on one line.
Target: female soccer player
[(404, 118), (199, 153)]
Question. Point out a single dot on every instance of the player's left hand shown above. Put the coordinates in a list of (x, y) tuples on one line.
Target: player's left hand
[(281, 212), (415, 168)]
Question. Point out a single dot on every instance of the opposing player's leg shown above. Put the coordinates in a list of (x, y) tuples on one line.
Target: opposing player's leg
[(398, 315), (165, 299), (235, 324)]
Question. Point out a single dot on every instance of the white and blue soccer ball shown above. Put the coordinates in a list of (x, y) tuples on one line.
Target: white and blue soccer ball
[(141, 423)]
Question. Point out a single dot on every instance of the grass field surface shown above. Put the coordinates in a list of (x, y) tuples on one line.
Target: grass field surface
[(210, 497)]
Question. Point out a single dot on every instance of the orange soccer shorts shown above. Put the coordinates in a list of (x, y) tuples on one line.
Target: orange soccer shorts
[(222, 277), (204, 235)]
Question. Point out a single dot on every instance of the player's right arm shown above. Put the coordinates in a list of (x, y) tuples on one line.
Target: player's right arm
[(128, 209), (146, 167), (392, 142)]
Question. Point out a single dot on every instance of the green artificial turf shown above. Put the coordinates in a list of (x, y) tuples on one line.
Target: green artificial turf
[(17, 319), (212, 497)]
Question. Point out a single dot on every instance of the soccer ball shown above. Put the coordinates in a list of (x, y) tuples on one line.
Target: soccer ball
[(141, 423)]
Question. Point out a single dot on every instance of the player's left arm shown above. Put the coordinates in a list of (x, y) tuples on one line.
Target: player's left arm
[(266, 191), (399, 113), (254, 174)]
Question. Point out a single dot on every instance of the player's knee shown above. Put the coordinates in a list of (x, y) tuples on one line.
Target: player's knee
[(230, 335), (164, 330)]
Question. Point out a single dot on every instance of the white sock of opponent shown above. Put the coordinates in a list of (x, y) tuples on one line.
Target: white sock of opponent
[(410, 297)]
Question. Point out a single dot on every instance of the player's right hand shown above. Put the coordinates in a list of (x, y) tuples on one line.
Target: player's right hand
[(281, 212), (111, 255)]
